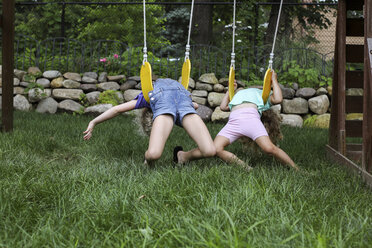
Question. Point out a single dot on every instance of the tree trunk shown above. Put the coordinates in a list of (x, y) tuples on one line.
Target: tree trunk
[(202, 23), (269, 36)]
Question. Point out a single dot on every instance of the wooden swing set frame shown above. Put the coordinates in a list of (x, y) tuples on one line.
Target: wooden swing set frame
[(342, 132)]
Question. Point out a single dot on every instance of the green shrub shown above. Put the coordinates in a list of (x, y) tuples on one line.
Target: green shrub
[(325, 81), (83, 100), (292, 72), (33, 85), (30, 78), (310, 120), (254, 80), (79, 112), (108, 97)]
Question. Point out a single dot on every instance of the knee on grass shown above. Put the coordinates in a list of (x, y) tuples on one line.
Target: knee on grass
[(219, 150), (152, 155), (208, 152)]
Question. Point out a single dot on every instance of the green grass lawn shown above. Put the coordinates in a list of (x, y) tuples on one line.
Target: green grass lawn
[(57, 190)]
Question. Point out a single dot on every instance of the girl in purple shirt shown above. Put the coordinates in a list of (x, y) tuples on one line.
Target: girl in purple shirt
[(171, 104)]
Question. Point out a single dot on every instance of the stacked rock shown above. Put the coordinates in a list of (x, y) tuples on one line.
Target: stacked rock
[(52, 92)]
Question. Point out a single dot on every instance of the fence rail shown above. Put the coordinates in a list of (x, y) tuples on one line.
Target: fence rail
[(66, 54)]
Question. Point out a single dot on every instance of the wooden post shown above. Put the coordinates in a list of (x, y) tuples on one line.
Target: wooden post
[(367, 97), (337, 123), (8, 65), (333, 123), (341, 77)]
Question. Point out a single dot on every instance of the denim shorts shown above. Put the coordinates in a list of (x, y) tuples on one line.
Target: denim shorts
[(170, 97)]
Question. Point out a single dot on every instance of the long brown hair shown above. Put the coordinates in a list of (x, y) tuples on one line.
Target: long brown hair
[(145, 119), (271, 121)]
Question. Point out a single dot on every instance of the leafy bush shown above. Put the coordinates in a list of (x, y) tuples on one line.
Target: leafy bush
[(254, 80), (325, 81), (310, 120), (33, 85), (304, 77), (83, 100), (108, 97), (29, 78), (129, 62), (79, 112), (111, 64)]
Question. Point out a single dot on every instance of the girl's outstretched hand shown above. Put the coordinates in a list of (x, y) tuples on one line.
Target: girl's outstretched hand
[(88, 132)]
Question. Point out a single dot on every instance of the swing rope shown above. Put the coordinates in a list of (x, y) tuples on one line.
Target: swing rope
[(276, 31), (187, 53), (144, 33), (146, 72), (233, 39), (186, 67), (267, 79), (232, 66)]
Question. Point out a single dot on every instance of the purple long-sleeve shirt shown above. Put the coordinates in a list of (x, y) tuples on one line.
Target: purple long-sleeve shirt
[(141, 102)]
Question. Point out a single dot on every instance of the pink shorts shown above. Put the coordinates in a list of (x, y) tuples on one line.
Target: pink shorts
[(243, 122)]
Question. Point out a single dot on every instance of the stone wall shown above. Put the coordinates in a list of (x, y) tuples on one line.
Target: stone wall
[(63, 92)]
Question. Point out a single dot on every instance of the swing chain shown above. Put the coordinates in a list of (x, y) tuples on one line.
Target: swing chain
[(276, 31), (144, 55), (144, 34), (271, 60), (187, 53), (233, 60), (233, 38)]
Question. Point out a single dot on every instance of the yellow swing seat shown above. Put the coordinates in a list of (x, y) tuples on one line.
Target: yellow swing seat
[(266, 85), (231, 82), (186, 68), (146, 80)]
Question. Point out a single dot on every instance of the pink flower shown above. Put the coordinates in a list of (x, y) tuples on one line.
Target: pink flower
[(103, 60), (116, 56)]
